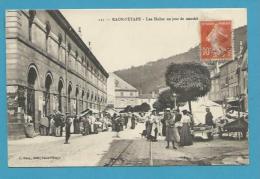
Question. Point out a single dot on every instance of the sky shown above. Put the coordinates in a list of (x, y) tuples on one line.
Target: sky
[(158, 34)]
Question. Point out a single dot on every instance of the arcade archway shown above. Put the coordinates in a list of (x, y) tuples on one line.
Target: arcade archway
[(31, 80), (48, 83)]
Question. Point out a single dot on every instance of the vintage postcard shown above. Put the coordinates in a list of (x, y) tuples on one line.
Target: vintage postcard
[(127, 87)]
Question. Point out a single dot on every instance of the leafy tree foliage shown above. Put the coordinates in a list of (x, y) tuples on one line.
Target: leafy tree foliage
[(127, 109), (157, 105), (137, 108), (145, 107), (167, 100), (188, 80)]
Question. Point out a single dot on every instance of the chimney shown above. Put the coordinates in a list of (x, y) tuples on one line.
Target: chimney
[(79, 32), (89, 45)]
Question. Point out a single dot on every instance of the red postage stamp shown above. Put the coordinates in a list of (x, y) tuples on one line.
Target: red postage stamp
[(216, 40)]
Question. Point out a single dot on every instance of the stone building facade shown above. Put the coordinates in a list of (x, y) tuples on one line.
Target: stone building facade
[(243, 80), (215, 93), (121, 93), (49, 68), (149, 98), (230, 82)]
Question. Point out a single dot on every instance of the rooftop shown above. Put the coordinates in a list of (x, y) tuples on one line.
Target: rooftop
[(120, 84), (57, 15)]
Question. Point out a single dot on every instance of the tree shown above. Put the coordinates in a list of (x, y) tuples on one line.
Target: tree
[(128, 109), (188, 80), (157, 105), (137, 108), (145, 107), (166, 100)]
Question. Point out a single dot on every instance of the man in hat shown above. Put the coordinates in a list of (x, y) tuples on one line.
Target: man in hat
[(209, 118), (133, 119), (126, 120), (68, 123), (209, 121)]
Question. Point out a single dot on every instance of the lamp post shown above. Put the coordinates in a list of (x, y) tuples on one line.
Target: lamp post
[(174, 96)]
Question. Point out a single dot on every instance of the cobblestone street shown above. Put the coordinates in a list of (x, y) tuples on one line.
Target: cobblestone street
[(104, 149)]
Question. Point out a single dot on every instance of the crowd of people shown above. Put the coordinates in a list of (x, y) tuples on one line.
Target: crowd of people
[(120, 122), (88, 123), (171, 124), (176, 127)]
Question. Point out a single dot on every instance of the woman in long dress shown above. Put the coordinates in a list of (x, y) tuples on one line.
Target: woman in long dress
[(133, 122), (185, 133), (149, 124), (172, 134), (117, 122), (163, 121)]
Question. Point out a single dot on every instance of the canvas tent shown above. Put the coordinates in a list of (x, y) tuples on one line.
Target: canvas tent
[(94, 111), (111, 111), (199, 112), (85, 112)]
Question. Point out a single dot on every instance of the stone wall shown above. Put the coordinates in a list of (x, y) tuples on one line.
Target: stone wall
[(34, 48)]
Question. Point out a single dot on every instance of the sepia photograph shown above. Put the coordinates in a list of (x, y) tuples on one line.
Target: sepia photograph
[(127, 87)]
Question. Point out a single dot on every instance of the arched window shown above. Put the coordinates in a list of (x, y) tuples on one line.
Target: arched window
[(61, 51), (77, 92), (69, 97), (92, 96), (60, 39), (60, 86), (82, 98), (32, 14), (88, 94), (82, 60), (48, 30), (31, 79), (69, 48)]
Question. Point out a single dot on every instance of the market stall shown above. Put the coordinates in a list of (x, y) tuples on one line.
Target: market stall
[(233, 122), (200, 129)]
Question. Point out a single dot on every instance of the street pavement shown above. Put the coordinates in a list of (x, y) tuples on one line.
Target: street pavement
[(130, 149)]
